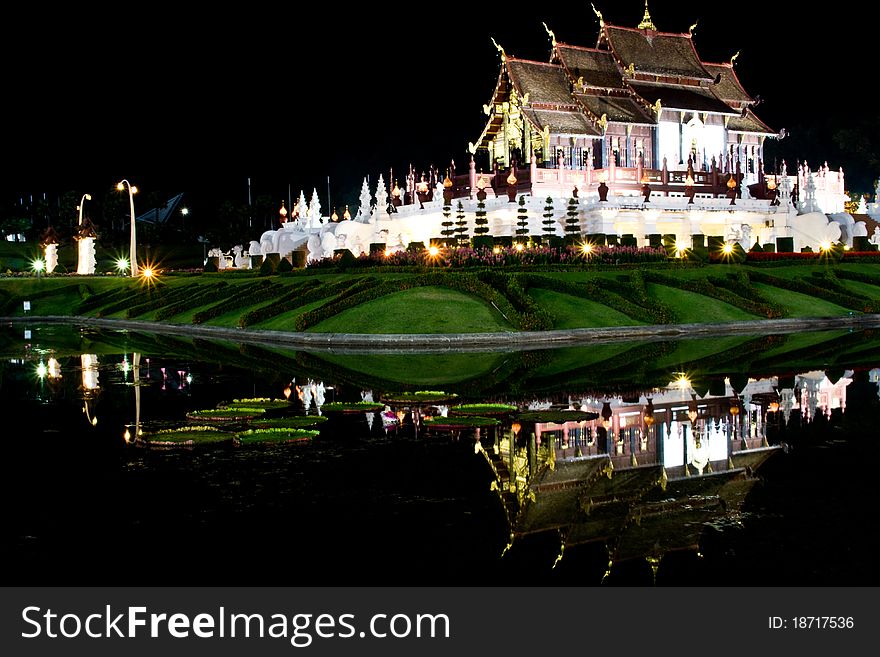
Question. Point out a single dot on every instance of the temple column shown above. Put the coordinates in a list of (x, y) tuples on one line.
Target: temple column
[(605, 152), (681, 138), (528, 141), (505, 119)]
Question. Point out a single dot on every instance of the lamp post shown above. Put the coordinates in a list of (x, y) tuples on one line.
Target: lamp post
[(85, 197), (122, 186)]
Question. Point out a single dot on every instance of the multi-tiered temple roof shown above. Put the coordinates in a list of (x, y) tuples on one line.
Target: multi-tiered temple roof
[(634, 76)]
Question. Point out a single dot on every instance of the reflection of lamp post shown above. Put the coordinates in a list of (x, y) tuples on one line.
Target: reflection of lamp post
[(122, 185), (734, 413)]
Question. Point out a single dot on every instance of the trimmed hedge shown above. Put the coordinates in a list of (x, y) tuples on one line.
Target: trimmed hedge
[(709, 289), (798, 285), (246, 295), (136, 296), (301, 295), (200, 298), (108, 296), (179, 293), (594, 291)]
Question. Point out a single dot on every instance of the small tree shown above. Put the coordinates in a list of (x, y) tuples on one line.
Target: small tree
[(572, 223), (461, 225), (448, 231), (481, 223), (522, 222), (549, 223)]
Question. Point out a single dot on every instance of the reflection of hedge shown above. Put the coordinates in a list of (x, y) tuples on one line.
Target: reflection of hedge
[(198, 297), (709, 289), (847, 300), (246, 295)]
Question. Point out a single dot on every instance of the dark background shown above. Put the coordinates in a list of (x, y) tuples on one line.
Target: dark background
[(176, 99)]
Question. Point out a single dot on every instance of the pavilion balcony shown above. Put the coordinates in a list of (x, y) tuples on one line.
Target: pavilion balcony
[(620, 182)]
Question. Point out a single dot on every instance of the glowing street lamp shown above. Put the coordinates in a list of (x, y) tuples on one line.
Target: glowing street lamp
[(121, 264), (121, 186), (85, 197), (38, 266)]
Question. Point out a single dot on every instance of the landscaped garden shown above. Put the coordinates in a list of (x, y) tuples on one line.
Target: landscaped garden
[(467, 291)]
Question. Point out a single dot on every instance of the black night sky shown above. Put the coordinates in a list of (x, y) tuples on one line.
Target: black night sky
[(179, 100)]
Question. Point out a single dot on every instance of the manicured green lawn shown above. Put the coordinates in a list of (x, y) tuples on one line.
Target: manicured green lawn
[(690, 307), (800, 305), (574, 312), (863, 289), (418, 310), (430, 309), (285, 321)]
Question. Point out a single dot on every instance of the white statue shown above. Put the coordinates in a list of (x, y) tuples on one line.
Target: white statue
[(746, 241), (875, 238), (305, 395), (241, 258), (52, 258)]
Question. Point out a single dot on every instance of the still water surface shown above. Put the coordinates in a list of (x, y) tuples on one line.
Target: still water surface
[(769, 482)]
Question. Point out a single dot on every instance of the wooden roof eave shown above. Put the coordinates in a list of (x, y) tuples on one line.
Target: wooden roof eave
[(728, 65), (493, 101), (766, 132)]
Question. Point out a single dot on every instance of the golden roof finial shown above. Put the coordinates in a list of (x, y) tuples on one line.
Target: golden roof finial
[(630, 70), (550, 33), (733, 59), (647, 23), (500, 49), (598, 15), (693, 28)]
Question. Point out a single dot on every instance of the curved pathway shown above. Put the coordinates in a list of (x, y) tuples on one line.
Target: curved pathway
[(500, 341)]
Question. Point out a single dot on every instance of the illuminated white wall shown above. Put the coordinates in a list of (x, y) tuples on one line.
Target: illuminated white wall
[(673, 446), (668, 143), (717, 441)]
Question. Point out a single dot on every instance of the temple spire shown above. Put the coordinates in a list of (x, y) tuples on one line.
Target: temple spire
[(647, 23)]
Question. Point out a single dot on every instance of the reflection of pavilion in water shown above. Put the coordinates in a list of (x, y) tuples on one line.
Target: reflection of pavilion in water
[(648, 473)]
